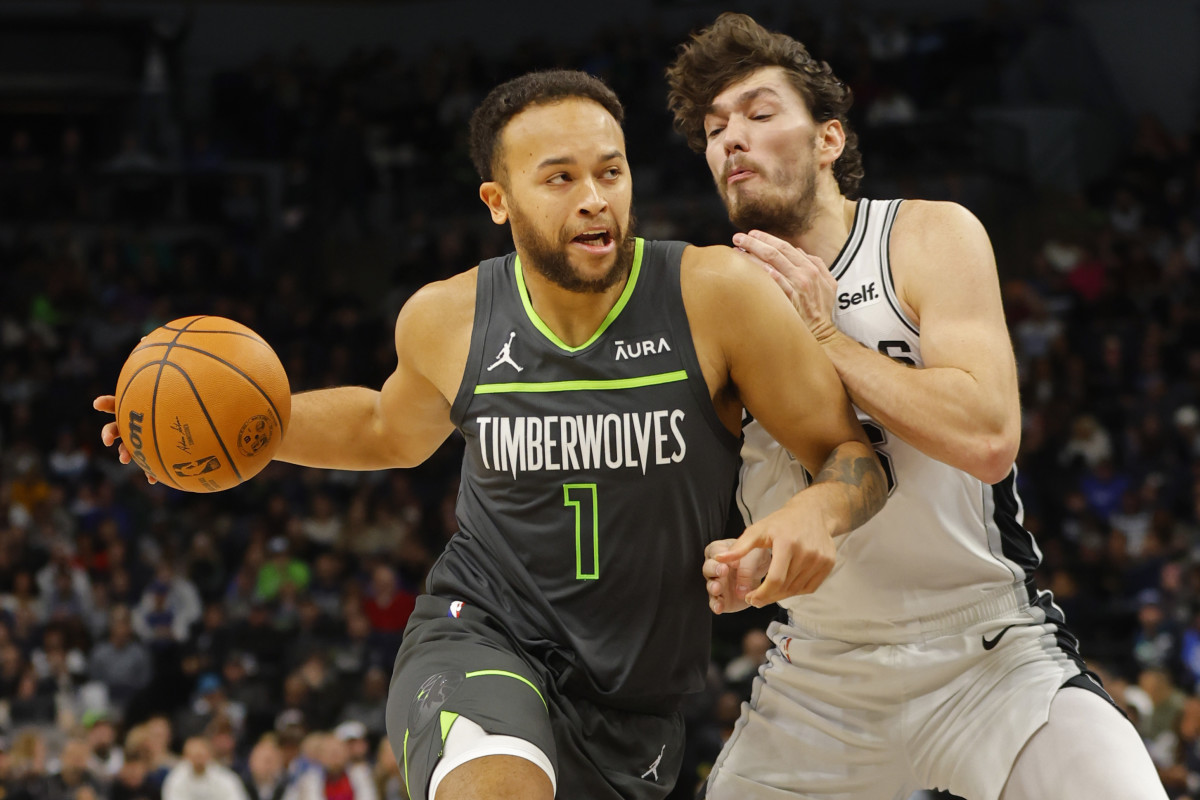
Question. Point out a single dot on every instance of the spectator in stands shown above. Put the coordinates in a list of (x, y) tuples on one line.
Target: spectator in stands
[(358, 749), (322, 526), (121, 662), (10, 785), (106, 758), (73, 773), (389, 781), (33, 702), (281, 567), (367, 706), (160, 758), (133, 782), (332, 778), (1156, 643), (264, 777), (198, 777), (167, 608), (209, 705), (259, 638), (387, 604)]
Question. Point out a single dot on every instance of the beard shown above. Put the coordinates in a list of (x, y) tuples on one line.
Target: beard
[(785, 209), (552, 261)]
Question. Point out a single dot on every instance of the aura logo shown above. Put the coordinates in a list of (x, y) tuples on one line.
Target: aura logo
[(643, 347)]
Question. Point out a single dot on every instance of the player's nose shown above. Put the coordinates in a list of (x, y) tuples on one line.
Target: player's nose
[(734, 137), (592, 200)]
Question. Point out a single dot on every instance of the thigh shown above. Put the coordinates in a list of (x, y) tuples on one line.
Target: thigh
[(1086, 751), (974, 707), (612, 754), (451, 667), (478, 764), (820, 725)]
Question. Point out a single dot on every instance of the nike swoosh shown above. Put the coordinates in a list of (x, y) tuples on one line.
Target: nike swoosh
[(988, 644)]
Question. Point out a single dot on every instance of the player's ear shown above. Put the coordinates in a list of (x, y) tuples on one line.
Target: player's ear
[(831, 141), (492, 195)]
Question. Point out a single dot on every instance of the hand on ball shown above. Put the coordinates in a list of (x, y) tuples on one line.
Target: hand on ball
[(110, 435)]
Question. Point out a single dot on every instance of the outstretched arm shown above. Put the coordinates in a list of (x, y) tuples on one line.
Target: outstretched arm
[(400, 425)]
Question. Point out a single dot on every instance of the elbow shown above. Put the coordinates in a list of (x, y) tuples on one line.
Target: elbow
[(994, 457)]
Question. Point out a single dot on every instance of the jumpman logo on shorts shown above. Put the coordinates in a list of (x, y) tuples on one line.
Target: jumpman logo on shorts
[(654, 767), (505, 356)]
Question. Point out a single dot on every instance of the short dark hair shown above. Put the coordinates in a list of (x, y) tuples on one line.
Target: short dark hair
[(533, 88), (732, 48)]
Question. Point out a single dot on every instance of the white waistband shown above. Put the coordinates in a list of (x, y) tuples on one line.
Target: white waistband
[(993, 603)]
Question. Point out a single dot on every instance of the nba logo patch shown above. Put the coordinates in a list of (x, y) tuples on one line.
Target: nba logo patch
[(455, 609)]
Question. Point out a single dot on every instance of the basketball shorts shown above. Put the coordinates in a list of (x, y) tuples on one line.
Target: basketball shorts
[(457, 661), (833, 720)]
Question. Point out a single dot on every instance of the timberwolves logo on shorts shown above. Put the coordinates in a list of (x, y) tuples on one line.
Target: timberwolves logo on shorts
[(434, 692)]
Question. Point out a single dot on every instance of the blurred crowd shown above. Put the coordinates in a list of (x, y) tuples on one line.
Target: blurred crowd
[(156, 644)]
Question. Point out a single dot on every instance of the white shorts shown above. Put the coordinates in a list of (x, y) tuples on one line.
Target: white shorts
[(832, 720)]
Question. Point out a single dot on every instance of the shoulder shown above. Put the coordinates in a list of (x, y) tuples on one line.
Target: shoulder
[(934, 241), (922, 223), (452, 295), (719, 271), (440, 306)]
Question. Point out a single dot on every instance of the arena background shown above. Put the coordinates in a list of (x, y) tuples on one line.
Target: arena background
[(301, 167)]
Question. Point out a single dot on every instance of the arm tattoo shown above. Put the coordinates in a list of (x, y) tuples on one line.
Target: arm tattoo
[(863, 479)]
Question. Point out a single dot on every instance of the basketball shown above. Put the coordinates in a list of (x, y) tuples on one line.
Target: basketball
[(203, 404)]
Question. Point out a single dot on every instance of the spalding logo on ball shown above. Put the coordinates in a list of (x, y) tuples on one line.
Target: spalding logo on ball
[(203, 403)]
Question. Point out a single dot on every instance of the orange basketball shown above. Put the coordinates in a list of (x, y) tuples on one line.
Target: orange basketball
[(203, 403)]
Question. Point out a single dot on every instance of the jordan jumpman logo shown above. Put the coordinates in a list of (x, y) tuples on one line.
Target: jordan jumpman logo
[(505, 356)]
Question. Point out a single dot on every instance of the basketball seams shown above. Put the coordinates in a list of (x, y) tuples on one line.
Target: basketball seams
[(154, 424), (253, 336), (122, 390), (240, 372), (212, 426)]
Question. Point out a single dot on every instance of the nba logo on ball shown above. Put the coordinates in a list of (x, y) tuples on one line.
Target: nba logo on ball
[(455, 609)]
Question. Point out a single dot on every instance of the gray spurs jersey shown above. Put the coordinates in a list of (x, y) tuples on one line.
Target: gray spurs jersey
[(593, 478), (947, 549)]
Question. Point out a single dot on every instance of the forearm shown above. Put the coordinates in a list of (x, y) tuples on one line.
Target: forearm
[(337, 428), (849, 489), (944, 412)]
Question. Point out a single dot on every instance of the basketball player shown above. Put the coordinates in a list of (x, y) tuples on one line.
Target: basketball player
[(599, 381), (928, 659)]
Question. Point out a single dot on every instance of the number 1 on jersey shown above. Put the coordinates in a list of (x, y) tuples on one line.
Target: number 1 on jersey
[(587, 528)]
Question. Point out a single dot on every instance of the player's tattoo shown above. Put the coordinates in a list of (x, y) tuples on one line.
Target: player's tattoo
[(855, 470)]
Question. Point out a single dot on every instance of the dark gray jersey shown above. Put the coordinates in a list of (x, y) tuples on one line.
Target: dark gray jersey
[(593, 478)]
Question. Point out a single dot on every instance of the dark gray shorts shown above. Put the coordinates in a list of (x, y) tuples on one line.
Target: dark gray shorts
[(467, 665)]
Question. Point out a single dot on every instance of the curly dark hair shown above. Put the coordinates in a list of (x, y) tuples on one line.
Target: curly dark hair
[(514, 96), (735, 46)]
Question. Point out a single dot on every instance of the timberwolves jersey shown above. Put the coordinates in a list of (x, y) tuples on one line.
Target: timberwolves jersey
[(593, 478), (946, 547)]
